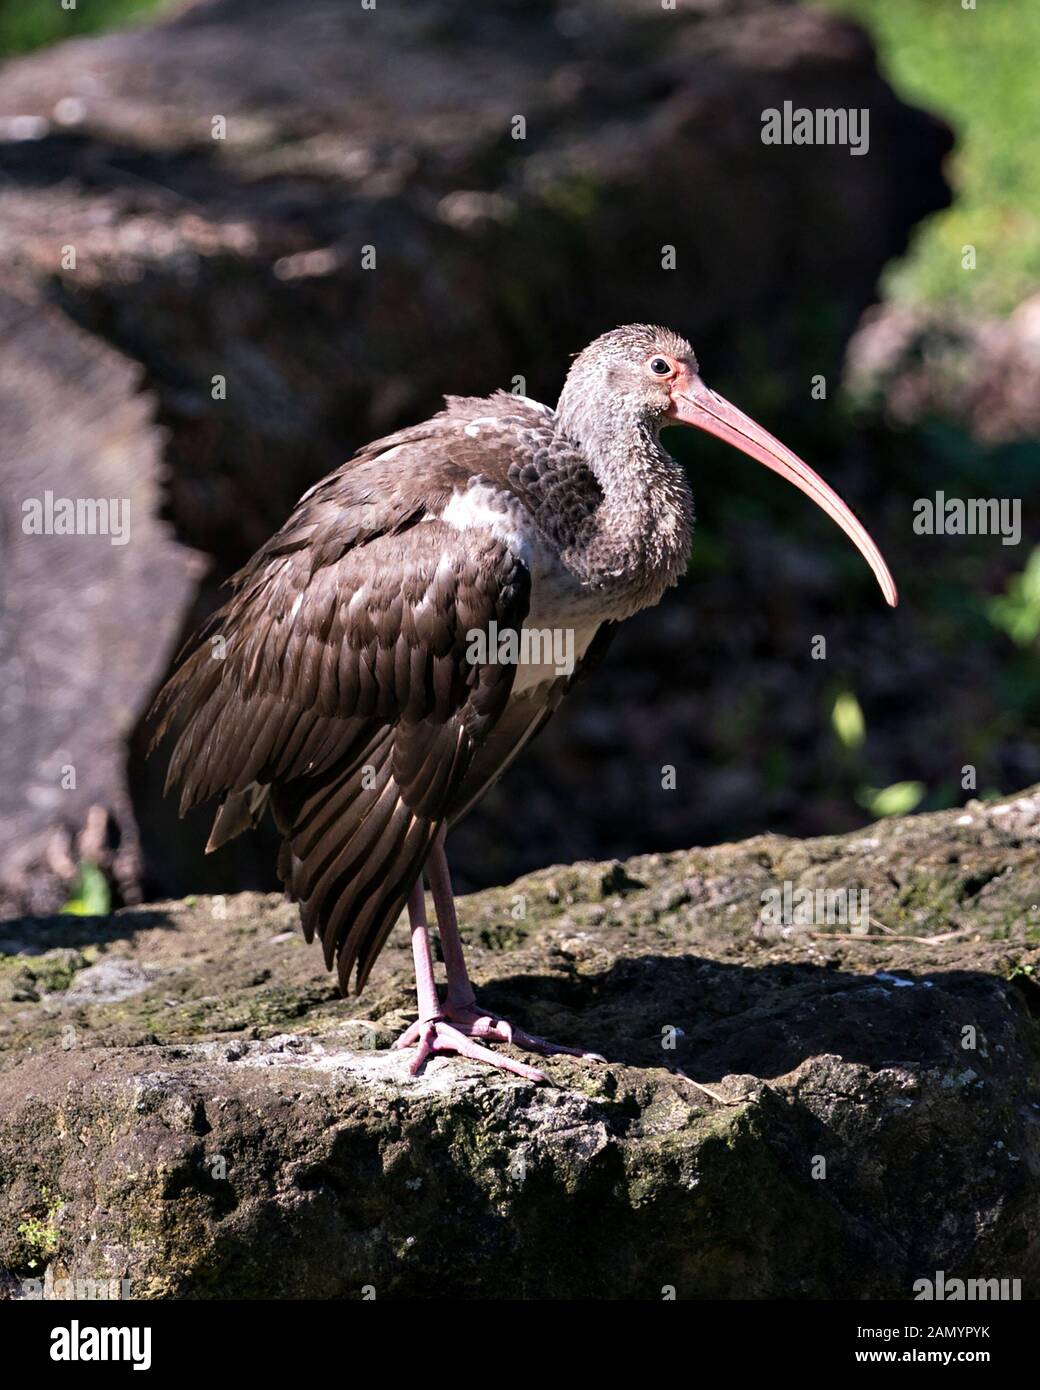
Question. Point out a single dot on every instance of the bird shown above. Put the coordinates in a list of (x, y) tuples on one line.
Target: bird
[(415, 623)]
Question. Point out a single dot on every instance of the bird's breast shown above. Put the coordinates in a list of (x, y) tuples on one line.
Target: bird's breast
[(565, 610)]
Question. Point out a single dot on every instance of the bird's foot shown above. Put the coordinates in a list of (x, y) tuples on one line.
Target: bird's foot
[(466, 1023), (437, 1035), (476, 1022)]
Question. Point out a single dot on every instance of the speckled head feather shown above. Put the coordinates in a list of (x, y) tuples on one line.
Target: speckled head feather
[(609, 378), (613, 407)]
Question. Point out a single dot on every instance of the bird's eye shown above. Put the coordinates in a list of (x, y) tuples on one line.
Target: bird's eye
[(660, 366)]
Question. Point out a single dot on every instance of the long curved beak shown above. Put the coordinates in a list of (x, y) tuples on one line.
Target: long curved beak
[(695, 404)]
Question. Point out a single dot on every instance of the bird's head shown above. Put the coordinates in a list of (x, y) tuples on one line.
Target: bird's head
[(648, 377)]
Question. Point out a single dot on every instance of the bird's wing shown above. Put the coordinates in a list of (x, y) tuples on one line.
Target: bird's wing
[(523, 720), (338, 677)]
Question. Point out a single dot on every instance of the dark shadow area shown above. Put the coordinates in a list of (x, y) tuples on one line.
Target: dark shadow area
[(32, 936), (761, 1021)]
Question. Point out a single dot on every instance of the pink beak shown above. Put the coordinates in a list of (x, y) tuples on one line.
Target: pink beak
[(694, 404)]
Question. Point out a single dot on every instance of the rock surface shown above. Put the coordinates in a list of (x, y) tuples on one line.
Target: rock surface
[(922, 363), (220, 176), (788, 1111), (87, 620)]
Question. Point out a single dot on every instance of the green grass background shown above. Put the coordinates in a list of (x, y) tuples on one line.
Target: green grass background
[(28, 24), (979, 70)]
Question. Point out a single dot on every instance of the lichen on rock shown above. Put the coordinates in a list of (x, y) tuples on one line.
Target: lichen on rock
[(787, 1111)]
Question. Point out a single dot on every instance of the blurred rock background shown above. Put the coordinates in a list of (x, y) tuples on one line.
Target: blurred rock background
[(214, 344)]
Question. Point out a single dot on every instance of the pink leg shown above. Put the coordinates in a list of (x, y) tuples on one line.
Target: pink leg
[(422, 957), (431, 1031), (460, 1002), (460, 994)]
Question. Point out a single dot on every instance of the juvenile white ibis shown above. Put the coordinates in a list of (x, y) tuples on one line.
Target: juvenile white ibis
[(358, 690)]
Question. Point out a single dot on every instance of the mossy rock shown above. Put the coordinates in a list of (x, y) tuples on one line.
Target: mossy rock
[(786, 1111)]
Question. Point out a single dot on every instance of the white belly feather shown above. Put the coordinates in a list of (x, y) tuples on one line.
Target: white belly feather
[(564, 615)]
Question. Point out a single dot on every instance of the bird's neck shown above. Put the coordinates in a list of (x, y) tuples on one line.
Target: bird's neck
[(639, 541)]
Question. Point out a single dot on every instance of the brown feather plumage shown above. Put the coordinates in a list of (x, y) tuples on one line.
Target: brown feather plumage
[(340, 693)]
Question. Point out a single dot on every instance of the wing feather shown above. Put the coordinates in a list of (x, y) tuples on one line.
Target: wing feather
[(344, 697)]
